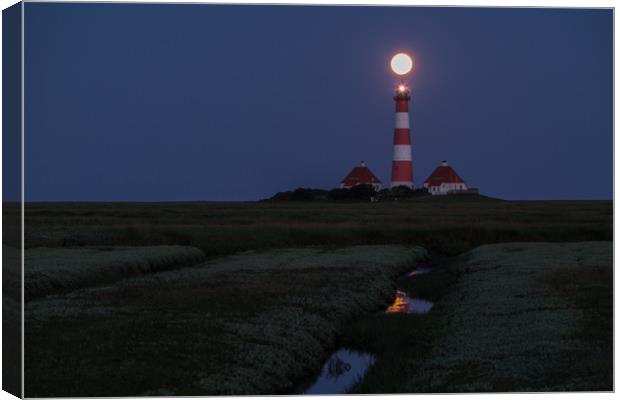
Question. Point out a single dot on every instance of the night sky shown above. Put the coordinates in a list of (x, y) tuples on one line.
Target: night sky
[(206, 102)]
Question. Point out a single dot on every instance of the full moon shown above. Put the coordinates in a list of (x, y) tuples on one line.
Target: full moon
[(401, 64)]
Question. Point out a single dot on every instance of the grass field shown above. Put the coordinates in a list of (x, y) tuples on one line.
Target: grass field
[(441, 225), (513, 317), (56, 270), (256, 316), (11, 320), (245, 324)]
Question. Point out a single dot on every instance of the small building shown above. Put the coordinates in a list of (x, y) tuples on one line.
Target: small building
[(444, 180), (361, 175)]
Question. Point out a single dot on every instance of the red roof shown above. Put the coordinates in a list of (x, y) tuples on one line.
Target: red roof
[(443, 174), (359, 176)]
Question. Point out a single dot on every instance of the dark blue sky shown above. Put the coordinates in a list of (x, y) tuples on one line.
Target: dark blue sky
[(205, 102)]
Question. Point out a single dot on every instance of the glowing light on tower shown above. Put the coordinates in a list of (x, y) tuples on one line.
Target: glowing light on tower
[(402, 165)]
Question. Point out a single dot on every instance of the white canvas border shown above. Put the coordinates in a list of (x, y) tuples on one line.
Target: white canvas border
[(457, 3)]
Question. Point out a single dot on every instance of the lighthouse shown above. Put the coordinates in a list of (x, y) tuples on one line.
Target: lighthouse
[(402, 165)]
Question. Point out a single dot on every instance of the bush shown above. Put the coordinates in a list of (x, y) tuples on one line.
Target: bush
[(362, 192), (338, 194), (356, 193), (301, 194), (402, 192)]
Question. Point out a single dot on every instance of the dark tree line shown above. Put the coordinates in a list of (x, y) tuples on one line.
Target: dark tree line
[(356, 193)]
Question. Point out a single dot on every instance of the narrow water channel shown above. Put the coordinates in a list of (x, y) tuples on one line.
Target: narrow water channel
[(409, 305), (420, 269), (341, 371), (346, 367)]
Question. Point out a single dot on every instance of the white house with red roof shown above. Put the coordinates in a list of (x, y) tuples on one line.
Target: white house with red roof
[(361, 175), (444, 180)]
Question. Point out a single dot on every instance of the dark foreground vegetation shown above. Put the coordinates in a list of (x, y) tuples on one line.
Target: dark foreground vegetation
[(526, 317), (250, 317), (358, 193), (448, 225), (246, 324)]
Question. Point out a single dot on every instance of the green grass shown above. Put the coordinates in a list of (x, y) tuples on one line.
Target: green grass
[(447, 226), (257, 322), (11, 320), (55, 270), (253, 323), (512, 317)]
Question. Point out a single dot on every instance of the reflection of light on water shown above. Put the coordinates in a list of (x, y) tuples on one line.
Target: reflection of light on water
[(343, 369), (420, 270), (406, 305), (400, 305)]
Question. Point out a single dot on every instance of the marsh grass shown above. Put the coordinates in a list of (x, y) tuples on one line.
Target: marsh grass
[(518, 317), (252, 323), (55, 270), (447, 226), (11, 319), (258, 320)]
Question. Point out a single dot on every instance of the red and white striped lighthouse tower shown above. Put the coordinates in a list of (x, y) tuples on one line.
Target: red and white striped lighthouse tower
[(402, 165)]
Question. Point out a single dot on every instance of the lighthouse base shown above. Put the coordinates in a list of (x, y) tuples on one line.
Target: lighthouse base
[(402, 183)]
